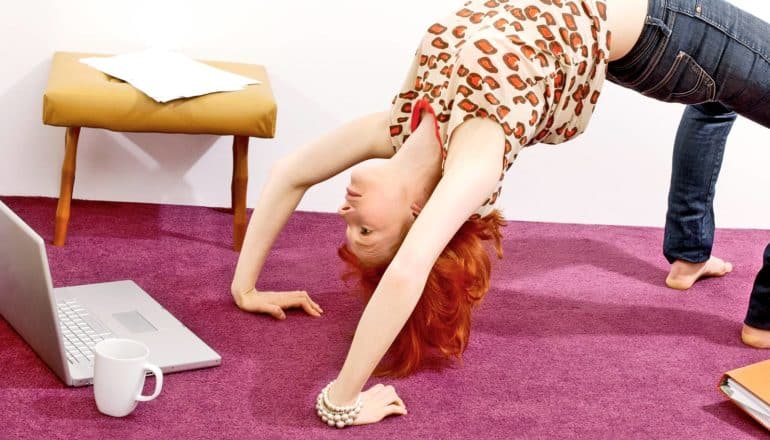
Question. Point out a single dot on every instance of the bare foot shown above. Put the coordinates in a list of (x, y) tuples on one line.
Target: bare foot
[(684, 274), (755, 337)]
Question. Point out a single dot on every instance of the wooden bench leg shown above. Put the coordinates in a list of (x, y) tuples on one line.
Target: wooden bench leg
[(238, 188), (67, 183)]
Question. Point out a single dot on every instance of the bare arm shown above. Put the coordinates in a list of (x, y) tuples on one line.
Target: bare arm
[(472, 171), (354, 142)]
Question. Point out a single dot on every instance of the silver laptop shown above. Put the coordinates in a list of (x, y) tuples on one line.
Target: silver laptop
[(62, 325)]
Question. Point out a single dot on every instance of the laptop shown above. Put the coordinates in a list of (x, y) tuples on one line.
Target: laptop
[(62, 325)]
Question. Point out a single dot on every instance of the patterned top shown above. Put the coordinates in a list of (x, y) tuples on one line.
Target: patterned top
[(534, 66)]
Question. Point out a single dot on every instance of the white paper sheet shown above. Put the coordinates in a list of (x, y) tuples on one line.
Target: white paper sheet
[(165, 75)]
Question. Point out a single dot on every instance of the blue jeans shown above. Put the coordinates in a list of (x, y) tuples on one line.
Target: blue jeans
[(758, 314), (715, 58)]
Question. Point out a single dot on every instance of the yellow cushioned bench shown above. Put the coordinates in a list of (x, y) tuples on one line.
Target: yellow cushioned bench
[(80, 96)]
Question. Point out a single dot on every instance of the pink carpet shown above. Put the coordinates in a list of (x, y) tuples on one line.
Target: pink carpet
[(578, 337)]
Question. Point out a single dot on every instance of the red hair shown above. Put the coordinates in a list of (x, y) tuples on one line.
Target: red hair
[(440, 325)]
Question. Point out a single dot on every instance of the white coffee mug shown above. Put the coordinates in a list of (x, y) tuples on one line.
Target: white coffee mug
[(120, 367)]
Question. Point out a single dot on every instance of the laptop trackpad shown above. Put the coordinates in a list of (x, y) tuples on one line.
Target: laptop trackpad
[(134, 322)]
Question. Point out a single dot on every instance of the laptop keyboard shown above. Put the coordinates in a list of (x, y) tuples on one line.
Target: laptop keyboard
[(79, 336)]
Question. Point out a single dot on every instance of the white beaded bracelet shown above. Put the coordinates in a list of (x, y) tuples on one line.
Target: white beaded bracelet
[(333, 415)]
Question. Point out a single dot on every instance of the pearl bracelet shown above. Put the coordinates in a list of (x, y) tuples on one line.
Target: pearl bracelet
[(333, 415)]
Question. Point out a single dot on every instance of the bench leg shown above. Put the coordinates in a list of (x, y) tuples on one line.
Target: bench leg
[(238, 188), (67, 183)]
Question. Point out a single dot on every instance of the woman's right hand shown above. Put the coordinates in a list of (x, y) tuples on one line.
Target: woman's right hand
[(274, 303), (378, 402)]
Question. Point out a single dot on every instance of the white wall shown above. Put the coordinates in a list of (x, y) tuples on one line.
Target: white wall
[(329, 62)]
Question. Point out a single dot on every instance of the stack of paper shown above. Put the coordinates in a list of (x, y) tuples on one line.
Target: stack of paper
[(165, 76)]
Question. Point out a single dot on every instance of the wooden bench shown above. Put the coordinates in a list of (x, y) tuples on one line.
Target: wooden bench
[(80, 96)]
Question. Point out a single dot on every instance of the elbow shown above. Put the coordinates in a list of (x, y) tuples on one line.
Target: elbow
[(283, 171), (405, 279), (413, 264)]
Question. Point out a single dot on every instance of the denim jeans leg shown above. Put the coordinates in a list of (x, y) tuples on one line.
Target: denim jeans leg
[(698, 151), (758, 315), (715, 58), (712, 56)]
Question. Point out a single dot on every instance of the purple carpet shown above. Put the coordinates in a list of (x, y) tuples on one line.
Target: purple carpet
[(578, 337)]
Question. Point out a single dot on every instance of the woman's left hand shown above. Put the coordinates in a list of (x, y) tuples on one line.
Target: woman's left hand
[(378, 402)]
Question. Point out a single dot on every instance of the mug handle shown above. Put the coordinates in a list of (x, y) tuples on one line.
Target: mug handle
[(158, 383)]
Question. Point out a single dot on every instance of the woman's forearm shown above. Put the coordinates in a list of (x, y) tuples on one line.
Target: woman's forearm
[(386, 313), (277, 202)]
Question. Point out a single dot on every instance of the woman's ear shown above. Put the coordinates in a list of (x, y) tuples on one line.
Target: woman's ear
[(416, 209)]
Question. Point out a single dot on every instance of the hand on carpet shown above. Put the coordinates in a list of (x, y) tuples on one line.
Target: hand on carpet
[(378, 402), (274, 303)]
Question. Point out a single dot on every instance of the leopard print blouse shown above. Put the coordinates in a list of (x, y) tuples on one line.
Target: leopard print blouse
[(534, 66)]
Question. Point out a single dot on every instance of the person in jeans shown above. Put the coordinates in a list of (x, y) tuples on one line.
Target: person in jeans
[(492, 78), (716, 58)]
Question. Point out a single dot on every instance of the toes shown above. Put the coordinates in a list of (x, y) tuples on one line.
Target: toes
[(717, 267)]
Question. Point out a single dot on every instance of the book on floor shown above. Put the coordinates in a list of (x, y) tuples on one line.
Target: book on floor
[(749, 388)]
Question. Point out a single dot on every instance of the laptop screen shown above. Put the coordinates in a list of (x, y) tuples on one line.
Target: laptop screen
[(26, 291)]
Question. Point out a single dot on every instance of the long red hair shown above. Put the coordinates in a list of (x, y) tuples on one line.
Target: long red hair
[(440, 325)]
